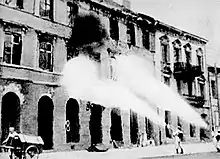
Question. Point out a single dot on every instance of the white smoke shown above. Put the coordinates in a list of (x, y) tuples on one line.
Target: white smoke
[(135, 88)]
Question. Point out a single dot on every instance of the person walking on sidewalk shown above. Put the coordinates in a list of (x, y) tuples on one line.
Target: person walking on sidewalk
[(177, 140)]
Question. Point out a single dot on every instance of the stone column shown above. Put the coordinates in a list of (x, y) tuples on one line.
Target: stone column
[(106, 124), (125, 117)]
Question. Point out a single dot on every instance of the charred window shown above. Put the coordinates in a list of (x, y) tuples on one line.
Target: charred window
[(12, 48), (46, 52), (114, 29)]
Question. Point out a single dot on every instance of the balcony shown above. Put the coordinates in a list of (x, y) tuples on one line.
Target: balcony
[(186, 71), (196, 101)]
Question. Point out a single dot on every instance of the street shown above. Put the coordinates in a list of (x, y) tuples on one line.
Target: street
[(207, 155)]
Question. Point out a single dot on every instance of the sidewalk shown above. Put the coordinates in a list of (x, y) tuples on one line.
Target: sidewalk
[(134, 153)]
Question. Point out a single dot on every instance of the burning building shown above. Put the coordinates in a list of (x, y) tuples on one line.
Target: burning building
[(34, 38)]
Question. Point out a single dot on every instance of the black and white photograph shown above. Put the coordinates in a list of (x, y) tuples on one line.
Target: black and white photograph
[(109, 79)]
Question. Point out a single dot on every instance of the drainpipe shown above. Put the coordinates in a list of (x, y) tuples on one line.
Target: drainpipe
[(210, 102)]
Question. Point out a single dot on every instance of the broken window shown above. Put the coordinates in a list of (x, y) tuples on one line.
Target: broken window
[(46, 9), (12, 48), (46, 52), (131, 34), (114, 29)]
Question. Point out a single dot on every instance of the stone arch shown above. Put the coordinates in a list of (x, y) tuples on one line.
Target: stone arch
[(45, 120), (72, 116), (10, 113)]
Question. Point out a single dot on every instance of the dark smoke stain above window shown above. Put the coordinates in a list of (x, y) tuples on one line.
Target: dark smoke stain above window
[(87, 30)]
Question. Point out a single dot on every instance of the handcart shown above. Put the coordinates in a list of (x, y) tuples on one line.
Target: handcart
[(25, 147)]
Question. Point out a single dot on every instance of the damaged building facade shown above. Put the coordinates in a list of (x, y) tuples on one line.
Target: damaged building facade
[(33, 51)]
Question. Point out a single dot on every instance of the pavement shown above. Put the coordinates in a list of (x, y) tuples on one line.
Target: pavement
[(132, 153)]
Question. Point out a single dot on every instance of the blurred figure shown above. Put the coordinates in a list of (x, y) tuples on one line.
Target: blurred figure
[(216, 139), (12, 134), (177, 140)]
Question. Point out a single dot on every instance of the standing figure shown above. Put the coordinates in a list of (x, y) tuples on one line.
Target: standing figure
[(177, 140), (216, 139)]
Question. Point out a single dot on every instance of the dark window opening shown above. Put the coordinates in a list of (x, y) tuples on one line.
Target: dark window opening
[(192, 130), (72, 116), (189, 84), (72, 10), (131, 34), (178, 83), (46, 52), (146, 39), (167, 81), (20, 4), (165, 53), (45, 121), (95, 124), (168, 122), (188, 57), (202, 90), (199, 60), (133, 127), (46, 9), (214, 89), (116, 125), (114, 29), (177, 55), (149, 129), (10, 114), (12, 48)]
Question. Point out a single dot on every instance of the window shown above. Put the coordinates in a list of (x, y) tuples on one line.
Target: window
[(188, 53), (201, 89), (12, 48), (46, 8), (114, 29), (46, 53), (131, 34), (177, 50), (146, 39), (167, 80), (14, 3), (199, 57), (72, 9), (165, 53), (167, 121), (214, 89), (192, 129)]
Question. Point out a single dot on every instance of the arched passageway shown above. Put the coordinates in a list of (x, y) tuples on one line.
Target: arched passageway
[(72, 121), (10, 114), (116, 126), (45, 121)]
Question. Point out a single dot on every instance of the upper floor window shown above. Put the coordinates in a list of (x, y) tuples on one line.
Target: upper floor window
[(146, 39), (114, 29), (166, 80), (12, 48), (72, 10), (199, 54), (165, 49), (214, 89), (188, 53), (201, 89), (177, 51), (46, 52), (46, 8), (14, 3), (131, 34)]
